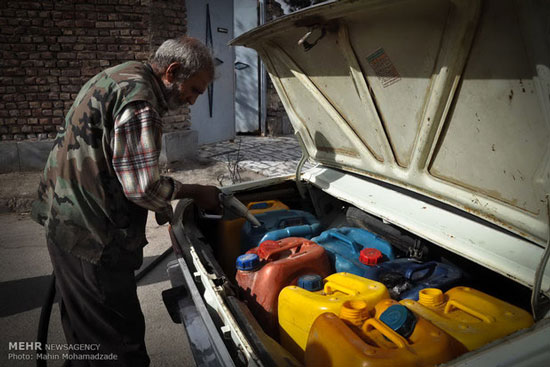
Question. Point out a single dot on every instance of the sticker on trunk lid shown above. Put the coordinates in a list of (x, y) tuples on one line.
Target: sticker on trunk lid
[(383, 67)]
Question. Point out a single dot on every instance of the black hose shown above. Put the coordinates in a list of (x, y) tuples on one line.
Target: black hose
[(44, 322), (152, 264)]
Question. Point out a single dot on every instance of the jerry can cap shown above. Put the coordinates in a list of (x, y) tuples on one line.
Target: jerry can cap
[(248, 262), (370, 256), (399, 319), (431, 297), (311, 282)]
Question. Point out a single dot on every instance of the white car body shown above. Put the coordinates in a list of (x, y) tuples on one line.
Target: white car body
[(431, 115)]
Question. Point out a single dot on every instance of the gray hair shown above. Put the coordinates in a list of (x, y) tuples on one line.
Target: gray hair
[(193, 56)]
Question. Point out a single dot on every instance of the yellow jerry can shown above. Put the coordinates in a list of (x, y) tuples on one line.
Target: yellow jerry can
[(298, 308), (472, 317), (393, 337)]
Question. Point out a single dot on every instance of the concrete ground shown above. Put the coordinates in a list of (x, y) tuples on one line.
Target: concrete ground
[(25, 267), (25, 274)]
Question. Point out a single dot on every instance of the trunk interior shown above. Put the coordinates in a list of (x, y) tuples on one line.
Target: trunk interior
[(207, 239)]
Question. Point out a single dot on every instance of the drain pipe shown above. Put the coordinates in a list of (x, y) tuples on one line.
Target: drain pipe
[(262, 76)]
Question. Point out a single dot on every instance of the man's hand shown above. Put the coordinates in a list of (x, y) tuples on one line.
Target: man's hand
[(164, 216), (207, 197)]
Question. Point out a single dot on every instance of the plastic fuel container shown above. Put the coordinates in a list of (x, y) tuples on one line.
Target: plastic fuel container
[(299, 307), (470, 316), (265, 270), (354, 250), (230, 233), (404, 278), (393, 337), (279, 224)]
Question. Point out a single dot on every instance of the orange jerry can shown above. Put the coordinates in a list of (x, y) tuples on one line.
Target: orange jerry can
[(230, 233), (393, 337), (470, 316), (265, 270)]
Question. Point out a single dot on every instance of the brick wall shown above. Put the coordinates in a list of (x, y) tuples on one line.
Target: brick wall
[(51, 47)]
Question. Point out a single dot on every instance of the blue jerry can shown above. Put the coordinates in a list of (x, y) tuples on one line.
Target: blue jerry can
[(404, 278), (354, 250)]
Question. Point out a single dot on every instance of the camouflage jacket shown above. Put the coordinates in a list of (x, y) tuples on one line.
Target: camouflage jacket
[(80, 201)]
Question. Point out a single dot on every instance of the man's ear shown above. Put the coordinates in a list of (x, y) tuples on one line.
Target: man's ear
[(172, 71)]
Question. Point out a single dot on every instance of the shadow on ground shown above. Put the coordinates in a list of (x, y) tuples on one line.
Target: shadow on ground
[(27, 294), (23, 294)]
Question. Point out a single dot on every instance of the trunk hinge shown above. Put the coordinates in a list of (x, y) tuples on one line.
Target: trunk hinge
[(303, 159), (536, 305)]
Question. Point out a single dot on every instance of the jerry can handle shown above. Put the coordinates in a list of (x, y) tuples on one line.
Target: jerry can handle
[(331, 287), (431, 265), (305, 231), (269, 204), (282, 223), (455, 304), (386, 331), (339, 236), (269, 253)]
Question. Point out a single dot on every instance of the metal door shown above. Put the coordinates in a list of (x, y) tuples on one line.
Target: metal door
[(247, 114), (213, 115)]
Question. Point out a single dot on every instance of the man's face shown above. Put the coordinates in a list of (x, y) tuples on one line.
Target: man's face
[(186, 92)]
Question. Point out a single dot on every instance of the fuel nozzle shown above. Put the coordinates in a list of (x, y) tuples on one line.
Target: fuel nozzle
[(233, 206)]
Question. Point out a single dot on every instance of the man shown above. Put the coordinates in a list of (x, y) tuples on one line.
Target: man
[(101, 178)]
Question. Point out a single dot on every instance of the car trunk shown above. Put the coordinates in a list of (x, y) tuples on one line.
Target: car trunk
[(429, 121), (239, 335)]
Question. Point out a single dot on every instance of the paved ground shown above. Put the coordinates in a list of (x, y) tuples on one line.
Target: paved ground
[(268, 156), (25, 267)]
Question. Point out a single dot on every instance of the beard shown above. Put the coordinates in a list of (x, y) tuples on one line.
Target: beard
[(173, 97)]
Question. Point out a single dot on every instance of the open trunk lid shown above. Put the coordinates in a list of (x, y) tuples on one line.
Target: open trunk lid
[(448, 99)]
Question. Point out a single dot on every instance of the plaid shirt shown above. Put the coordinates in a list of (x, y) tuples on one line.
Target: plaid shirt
[(136, 150)]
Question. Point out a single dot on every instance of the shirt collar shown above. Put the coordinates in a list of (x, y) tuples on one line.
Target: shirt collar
[(161, 91)]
